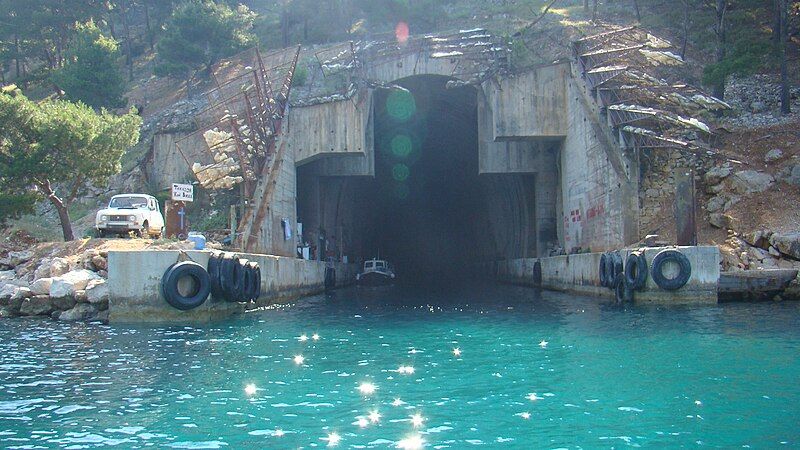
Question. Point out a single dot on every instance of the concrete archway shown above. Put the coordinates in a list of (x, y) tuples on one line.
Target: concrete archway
[(428, 208)]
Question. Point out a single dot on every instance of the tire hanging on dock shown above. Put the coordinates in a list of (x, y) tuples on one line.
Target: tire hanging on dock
[(214, 268), (613, 268), (636, 271), (603, 272), (199, 293), (684, 273), (255, 271), (231, 277), (620, 288)]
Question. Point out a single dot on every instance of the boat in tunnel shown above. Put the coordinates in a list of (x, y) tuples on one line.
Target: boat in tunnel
[(376, 272)]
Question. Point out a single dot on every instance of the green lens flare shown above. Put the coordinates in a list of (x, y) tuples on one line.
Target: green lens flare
[(401, 146), (400, 172), (401, 105), (401, 191)]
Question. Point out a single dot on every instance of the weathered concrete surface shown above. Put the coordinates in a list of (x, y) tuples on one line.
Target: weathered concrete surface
[(599, 199), (335, 128), (167, 165), (579, 274), (530, 105), (134, 280)]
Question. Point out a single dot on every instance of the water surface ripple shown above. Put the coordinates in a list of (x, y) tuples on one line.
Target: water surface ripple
[(497, 366)]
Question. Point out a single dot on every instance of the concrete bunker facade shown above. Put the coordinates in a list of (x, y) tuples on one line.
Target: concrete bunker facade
[(547, 172)]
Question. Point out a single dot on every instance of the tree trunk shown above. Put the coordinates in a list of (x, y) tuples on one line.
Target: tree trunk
[(686, 18), (777, 21), (61, 208), (128, 56), (636, 9), (586, 6), (722, 38), (16, 54), (594, 10), (786, 98), (150, 37)]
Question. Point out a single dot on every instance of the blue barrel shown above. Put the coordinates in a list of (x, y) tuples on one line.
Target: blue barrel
[(198, 239)]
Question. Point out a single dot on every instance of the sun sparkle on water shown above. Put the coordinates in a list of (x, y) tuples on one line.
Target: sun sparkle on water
[(417, 420), (250, 389), (367, 388), (299, 359)]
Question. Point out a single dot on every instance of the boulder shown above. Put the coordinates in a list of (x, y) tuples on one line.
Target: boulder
[(63, 303), (750, 182), (788, 244), (17, 258), (22, 293), (102, 316), (6, 312), (716, 203), (722, 221), (791, 175), (80, 297), (40, 305), (715, 175), (81, 311), (43, 271), (758, 238), (41, 286), (7, 276), (99, 262), (773, 155), (97, 293), (58, 267), (67, 284), (7, 291)]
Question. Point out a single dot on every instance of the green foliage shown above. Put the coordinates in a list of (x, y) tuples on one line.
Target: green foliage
[(91, 74), (745, 57), (200, 33), (212, 221), (300, 75), (56, 145)]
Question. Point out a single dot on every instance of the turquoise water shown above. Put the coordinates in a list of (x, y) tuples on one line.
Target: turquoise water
[(723, 376)]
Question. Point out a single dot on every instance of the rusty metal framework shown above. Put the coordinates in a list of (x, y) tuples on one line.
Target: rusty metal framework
[(627, 69), (235, 141)]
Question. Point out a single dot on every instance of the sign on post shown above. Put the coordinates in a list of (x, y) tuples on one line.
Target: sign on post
[(182, 192)]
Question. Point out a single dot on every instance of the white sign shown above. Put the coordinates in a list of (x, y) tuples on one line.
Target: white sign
[(182, 192)]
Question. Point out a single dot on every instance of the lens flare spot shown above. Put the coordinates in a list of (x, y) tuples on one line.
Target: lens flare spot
[(402, 146), (401, 32), (401, 105), (402, 191), (400, 172)]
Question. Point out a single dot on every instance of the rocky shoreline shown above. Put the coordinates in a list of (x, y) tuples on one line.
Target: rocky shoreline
[(55, 287)]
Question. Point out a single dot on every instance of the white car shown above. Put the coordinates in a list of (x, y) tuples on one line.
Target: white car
[(126, 213)]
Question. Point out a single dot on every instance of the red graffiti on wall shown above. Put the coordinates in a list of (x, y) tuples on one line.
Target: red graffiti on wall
[(596, 211)]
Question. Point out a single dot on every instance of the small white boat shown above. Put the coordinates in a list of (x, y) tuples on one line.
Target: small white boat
[(376, 272)]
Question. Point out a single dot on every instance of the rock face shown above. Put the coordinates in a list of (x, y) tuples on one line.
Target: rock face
[(36, 306), (71, 282), (722, 221), (41, 286), (97, 293), (773, 155), (750, 182), (791, 175), (17, 258), (715, 175), (7, 291), (81, 311), (787, 244)]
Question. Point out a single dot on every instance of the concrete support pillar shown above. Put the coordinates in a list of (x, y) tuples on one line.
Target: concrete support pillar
[(545, 194)]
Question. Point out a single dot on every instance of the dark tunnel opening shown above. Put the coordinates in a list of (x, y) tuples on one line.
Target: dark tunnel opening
[(426, 176), (428, 210)]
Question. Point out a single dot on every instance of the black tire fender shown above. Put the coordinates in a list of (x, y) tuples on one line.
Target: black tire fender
[(636, 271), (537, 273), (603, 277), (214, 272), (255, 271), (246, 275), (619, 289), (178, 271), (685, 272), (229, 277)]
